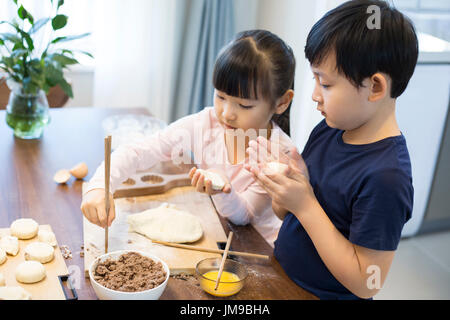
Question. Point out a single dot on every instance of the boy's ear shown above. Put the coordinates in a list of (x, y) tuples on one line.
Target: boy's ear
[(379, 86), (284, 101)]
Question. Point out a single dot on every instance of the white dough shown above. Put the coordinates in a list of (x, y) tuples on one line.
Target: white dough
[(10, 244), (276, 167), (14, 293), (24, 228), (166, 223), (2, 280), (39, 251), (216, 180), (2, 256), (30, 272), (47, 237)]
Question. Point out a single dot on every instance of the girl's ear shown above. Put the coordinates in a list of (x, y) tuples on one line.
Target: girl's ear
[(379, 86), (284, 101)]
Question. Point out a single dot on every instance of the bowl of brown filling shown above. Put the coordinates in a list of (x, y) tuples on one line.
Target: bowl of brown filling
[(128, 275)]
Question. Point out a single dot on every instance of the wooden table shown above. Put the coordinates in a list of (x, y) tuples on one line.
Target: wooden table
[(75, 134)]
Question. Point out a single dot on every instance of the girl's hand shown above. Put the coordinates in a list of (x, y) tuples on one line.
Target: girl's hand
[(205, 185), (93, 207)]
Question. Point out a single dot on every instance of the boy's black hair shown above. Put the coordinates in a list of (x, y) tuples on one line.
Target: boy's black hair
[(256, 62), (360, 51)]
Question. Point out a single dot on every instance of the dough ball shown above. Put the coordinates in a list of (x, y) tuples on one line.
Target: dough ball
[(2, 256), (275, 167), (166, 223), (14, 293), (216, 180), (30, 272), (47, 237), (10, 244), (24, 228), (39, 251), (2, 280)]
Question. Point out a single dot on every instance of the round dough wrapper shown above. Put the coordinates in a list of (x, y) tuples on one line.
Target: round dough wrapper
[(276, 167), (10, 244), (39, 251), (47, 237), (166, 223), (24, 228), (2, 256), (30, 272), (14, 293), (2, 280), (216, 180)]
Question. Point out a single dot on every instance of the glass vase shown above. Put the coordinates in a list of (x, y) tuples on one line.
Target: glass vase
[(27, 114)]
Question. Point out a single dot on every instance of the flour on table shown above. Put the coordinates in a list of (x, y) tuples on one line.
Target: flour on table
[(14, 293), (166, 223)]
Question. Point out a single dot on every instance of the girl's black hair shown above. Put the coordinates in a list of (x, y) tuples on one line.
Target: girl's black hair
[(257, 62)]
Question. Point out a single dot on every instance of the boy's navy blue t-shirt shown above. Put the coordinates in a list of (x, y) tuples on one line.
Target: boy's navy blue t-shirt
[(367, 193)]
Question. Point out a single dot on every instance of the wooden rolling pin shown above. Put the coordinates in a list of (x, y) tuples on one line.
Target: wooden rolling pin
[(235, 253)]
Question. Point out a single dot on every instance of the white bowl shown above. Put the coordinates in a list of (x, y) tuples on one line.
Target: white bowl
[(104, 293)]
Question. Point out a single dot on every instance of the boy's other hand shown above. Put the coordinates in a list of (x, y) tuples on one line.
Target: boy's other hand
[(262, 151), (205, 185), (93, 208)]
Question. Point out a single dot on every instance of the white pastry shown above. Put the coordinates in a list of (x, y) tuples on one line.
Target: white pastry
[(47, 237), (30, 272), (2, 280), (14, 293), (275, 167), (166, 223), (39, 251), (24, 228), (10, 244), (2, 256), (216, 180)]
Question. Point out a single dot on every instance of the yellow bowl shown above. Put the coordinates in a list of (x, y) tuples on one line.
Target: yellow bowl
[(231, 281)]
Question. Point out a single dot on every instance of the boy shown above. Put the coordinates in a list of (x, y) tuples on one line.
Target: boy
[(344, 207)]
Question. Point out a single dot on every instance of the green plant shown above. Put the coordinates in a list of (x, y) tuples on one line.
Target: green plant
[(24, 64)]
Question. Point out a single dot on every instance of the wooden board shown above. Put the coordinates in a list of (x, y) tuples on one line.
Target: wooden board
[(178, 260), (47, 289), (159, 179)]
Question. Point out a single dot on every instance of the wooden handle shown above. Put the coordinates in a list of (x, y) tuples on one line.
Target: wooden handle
[(235, 253), (224, 257), (107, 177)]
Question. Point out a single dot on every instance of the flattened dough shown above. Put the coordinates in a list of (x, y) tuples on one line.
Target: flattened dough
[(14, 293), (2, 280), (166, 223), (39, 251), (30, 272), (10, 244), (24, 228)]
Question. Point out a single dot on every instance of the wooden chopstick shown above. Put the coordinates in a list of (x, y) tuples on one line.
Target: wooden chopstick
[(234, 253), (224, 257), (107, 177)]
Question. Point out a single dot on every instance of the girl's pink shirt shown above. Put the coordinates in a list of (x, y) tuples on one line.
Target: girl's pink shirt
[(199, 139)]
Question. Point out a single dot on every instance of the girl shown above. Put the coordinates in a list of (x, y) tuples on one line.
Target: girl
[(253, 80)]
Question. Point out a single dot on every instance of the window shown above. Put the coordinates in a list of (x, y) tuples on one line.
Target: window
[(432, 21), (81, 20)]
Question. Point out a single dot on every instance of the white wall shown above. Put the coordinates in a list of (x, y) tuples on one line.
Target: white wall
[(289, 19), (82, 80), (292, 20)]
